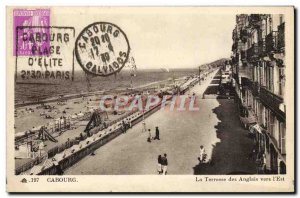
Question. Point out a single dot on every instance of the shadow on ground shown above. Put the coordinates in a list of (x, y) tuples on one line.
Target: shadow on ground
[(231, 154)]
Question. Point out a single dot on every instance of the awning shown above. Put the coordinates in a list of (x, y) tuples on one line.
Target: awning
[(255, 128), (248, 120)]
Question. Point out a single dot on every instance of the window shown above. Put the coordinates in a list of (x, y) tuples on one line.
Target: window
[(264, 116), (281, 81), (270, 25), (282, 137), (271, 124), (261, 75), (267, 77), (264, 73), (281, 20), (270, 80)]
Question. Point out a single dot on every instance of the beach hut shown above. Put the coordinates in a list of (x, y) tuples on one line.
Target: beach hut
[(74, 148)]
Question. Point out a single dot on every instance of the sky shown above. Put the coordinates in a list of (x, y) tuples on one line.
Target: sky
[(162, 37), (180, 41)]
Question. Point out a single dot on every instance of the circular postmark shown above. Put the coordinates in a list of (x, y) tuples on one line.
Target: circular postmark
[(102, 49)]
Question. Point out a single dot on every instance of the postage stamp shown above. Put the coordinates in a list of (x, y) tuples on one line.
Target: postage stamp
[(30, 17), (102, 48)]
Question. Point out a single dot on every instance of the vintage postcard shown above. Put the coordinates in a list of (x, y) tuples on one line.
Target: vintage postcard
[(150, 99)]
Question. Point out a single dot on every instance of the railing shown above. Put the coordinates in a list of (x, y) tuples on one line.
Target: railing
[(234, 59), (271, 42), (255, 89), (243, 55), (252, 52), (240, 46), (281, 39), (247, 82), (272, 101), (261, 47), (254, 20), (245, 71), (243, 35), (234, 45)]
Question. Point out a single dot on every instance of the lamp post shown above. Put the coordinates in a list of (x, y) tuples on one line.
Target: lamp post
[(199, 75)]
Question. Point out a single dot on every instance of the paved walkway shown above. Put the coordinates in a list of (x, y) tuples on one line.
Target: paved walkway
[(215, 126)]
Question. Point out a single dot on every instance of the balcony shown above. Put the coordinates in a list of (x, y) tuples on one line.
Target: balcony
[(255, 89), (253, 52), (254, 20), (246, 82), (261, 47), (245, 71), (240, 46), (233, 48), (243, 55), (233, 61), (272, 101), (281, 39), (243, 35), (271, 42)]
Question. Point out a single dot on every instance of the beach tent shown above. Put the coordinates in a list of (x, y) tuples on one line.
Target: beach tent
[(89, 140), (74, 116), (80, 115), (74, 148), (36, 129), (23, 152), (36, 169), (59, 156), (20, 134)]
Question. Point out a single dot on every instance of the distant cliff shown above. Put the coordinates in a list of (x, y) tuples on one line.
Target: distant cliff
[(214, 64)]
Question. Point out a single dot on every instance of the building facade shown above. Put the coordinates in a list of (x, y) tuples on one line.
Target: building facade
[(258, 66)]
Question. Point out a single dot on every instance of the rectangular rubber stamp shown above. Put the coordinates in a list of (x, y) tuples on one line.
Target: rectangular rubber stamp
[(49, 55)]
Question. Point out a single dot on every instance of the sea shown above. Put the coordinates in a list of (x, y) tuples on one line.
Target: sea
[(82, 83)]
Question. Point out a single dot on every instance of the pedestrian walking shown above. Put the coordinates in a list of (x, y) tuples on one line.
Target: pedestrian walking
[(156, 134), (68, 143), (159, 166), (264, 163), (164, 163), (124, 126), (149, 136), (252, 155), (81, 137), (144, 129), (202, 153)]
